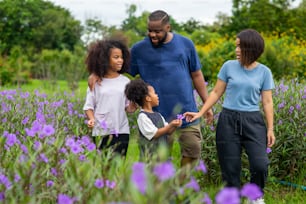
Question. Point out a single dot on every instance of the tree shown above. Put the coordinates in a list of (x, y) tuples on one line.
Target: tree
[(262, 15), (36, 24)]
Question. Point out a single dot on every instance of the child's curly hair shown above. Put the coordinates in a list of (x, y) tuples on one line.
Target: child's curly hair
[(98, 57), (136, 91)]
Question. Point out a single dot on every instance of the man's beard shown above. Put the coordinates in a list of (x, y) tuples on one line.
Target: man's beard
[(160, 42)]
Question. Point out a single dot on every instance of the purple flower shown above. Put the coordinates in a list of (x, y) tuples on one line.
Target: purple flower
[(30, 132), (251, 191), (291, 109), (82, 157), (193, 184), (139, 177), (62, 161), (76, 148), (180, 116), (64, 199), (24, 149), (115, 132), (283, 87), (11, 139), (37, 145), (44, 158), (206, 199), (69, 142), (201, 167), (49, 183), (99, 183), (25, 120), (2, 196), (91, 147), (228, 195), (36, 126), (63, 150), (5, 181), (54, 171), (110, 184), (164, 171), (268, 150), (48, 130), (23, 158), (281, 105), (298, 107), (85, 140), (16, 178), (103, 125)]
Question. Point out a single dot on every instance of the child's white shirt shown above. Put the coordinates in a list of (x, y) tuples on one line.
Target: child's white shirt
[(108, 103)]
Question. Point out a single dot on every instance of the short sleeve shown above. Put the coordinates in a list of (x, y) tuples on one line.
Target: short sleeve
[(223, 73), (268, 82), (89, 103), (146, 126)]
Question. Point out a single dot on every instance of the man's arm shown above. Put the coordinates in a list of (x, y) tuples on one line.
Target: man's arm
[(92, 79), (200, 86)]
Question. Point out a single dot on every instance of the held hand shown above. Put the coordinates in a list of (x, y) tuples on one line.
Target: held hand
[(191, 116), (271, 138), (92, 79), (91, 123), (209, 116), (176, 123)]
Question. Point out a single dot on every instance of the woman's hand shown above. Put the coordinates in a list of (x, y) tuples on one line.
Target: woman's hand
[(191, 116), (271, 138)]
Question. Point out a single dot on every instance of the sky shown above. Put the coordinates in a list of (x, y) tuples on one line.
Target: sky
[(113, 12)]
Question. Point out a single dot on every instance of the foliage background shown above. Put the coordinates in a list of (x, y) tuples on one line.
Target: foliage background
[(39, 40), (43, 41)]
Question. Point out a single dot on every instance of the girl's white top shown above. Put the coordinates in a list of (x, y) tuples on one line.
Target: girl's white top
[(108, 103)]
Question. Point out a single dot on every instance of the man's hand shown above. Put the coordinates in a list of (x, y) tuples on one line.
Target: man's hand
[(92, 80)]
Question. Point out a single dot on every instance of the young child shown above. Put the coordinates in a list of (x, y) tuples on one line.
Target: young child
[(153, 128), (241, 124), (106, 105)]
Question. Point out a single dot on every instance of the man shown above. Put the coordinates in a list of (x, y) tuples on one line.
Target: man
[(169, 62)]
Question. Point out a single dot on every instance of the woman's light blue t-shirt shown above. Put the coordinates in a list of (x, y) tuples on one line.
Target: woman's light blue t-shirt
[(244, 87)]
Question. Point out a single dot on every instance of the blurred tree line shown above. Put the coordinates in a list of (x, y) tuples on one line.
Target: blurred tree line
[(39, 39)]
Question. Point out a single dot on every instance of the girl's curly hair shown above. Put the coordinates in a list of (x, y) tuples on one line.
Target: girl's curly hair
[(98, 57)]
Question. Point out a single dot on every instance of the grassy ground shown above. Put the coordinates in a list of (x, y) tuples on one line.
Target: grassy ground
[(48, 87), (275, 193)]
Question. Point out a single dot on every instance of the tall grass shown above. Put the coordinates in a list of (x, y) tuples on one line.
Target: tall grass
[(47, 156)]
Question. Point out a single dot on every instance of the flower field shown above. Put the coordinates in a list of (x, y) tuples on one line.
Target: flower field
[(47, 156)]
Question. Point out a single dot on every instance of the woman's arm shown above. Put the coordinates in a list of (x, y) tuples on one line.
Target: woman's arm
[(214, 96), (267, 103)]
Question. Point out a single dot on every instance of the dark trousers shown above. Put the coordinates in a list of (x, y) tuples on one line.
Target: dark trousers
[(237, 130), (119, 143)]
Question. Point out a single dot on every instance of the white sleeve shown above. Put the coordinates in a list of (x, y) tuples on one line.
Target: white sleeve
[(146, 127), (90, 98)]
